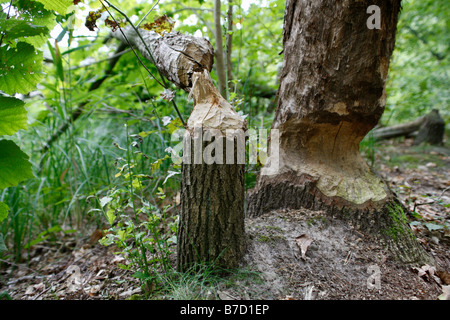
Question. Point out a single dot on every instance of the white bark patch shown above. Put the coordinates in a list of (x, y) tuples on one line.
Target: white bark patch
[(340, 108)]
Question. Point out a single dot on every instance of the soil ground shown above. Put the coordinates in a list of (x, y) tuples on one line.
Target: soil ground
[(293, 255)]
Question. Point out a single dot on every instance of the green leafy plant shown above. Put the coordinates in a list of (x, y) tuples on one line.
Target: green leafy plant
[(141, 229), (23, 25)]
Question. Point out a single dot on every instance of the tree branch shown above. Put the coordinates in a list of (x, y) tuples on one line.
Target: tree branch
[(438, 56)]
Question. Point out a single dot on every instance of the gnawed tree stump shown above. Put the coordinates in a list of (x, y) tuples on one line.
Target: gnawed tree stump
[(211, 225), (211, 228), (331, 94)]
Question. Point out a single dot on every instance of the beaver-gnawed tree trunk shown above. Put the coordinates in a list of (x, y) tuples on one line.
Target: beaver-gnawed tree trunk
[(331, 94), (211, 226)]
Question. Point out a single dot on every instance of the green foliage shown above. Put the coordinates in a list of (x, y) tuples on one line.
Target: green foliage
[(23, 27), (3, 211), (14, 164), (419, 72), (21, 68), (141, 230), (60, 6), (13, 115)]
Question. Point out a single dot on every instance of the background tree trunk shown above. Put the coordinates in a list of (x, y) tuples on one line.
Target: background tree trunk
[(220, 64), (229, 38), (432, 130), (331, 94)]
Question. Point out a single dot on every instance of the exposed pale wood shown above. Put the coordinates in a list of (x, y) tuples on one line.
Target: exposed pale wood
[(212, 195), (211, 226)]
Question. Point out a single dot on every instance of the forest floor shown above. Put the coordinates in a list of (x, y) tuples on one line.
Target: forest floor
[(292, 255)]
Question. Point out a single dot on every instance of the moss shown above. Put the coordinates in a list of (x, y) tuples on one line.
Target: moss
[(314, 220), (263, 238), (274, 228), (356, 188), (413, 160), (398, 222), (271, 238)]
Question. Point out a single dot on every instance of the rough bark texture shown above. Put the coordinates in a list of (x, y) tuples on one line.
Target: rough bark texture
[(331, 94), (212, 195), (176, 55), (211, 226)]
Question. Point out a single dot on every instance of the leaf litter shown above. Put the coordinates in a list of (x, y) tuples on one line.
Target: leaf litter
[(298, 254)]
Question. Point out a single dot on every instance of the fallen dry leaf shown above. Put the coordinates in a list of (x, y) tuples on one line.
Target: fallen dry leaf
[(445, 293), (426, 272), (303, 242)]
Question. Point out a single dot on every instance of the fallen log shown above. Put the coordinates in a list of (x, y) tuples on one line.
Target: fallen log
[(430, 129)]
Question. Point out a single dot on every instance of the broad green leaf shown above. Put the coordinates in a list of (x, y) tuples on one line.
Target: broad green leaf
[(15, 29), (14, 165), (4, 210), (34, 12), (110, 216), (104, 201), (20, 68), (60, 6), (13, 115)]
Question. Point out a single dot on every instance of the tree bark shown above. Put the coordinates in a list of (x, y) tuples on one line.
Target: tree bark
[(432, 130), (398, 130), (331, 94), (229, 38)]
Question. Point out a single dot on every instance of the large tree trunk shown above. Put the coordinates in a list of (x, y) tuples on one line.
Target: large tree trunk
[(331, 94)]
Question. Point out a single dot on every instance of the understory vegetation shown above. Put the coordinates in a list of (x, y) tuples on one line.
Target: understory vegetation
[(86, 132)]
